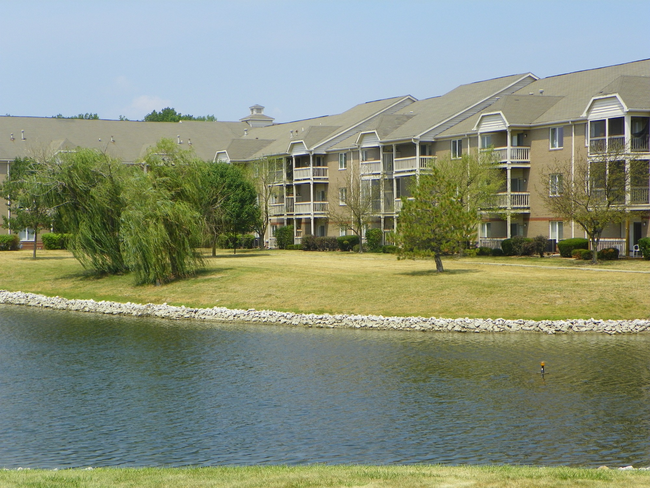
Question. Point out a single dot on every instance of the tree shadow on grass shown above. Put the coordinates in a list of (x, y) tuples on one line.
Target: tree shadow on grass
[(238, 255), (433, 272), (44, 258)]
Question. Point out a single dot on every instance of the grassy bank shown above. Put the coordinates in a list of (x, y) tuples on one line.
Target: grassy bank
[(329, 476), (529, 288)]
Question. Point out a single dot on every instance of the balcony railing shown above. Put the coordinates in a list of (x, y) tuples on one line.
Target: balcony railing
[(371, 167), (411, 164), (604, 144), (606, 243), (398, 204), (517, 154), (491, 242), (304, 208), (276, 209), (640, 196), (316, 173), (639, 144), (290, 204), (517, 200)]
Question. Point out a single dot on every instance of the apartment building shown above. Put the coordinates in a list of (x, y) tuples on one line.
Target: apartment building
[(528, 123)]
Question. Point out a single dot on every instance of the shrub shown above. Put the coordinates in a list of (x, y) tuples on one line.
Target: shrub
[(284, 236), (9, 242), (373, 239), (506, 247), (577, 253), (497, 252), (538, 245), (484, 251), (52, 240), (294, 247), (609, 254), (346, 243), (247, 241), (308, 243), (586, 254), (567, 246), (355, 248), (522, 246), (327, 243), (644, 247), (472, 253), (389, 249)]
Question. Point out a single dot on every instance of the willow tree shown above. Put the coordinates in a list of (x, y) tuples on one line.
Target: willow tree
[(445, 207), (85, 187), (162, 225)]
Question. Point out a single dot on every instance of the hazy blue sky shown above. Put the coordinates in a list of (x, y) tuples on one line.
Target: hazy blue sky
[(299, 59)]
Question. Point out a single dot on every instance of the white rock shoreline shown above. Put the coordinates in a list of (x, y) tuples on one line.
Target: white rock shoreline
[(378, 322)]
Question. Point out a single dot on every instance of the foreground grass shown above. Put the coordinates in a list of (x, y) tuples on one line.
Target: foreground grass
[(529, 288), (329, 476)]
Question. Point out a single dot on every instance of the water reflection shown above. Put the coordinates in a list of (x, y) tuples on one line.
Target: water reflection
[(78, 390)]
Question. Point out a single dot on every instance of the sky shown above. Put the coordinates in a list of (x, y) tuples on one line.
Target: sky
[(299, 59)]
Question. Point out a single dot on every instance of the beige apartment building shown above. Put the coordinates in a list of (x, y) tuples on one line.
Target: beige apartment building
[(528, 122)]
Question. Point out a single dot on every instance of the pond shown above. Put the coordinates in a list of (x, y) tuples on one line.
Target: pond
[(81, 390)]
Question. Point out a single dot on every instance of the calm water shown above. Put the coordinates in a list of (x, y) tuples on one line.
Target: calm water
[(81, 390)]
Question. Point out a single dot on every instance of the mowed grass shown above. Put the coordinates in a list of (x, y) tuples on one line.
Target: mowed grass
[(415, 476), (334, 282)]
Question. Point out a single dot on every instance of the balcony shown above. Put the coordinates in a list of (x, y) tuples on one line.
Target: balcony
[(304, 208), (518, 200), (603, 144), (412, 164), (491, 242), (398, 204), (639, 144), (315, 173), (518, 155), (276, 209), (370, 168), (639, 196)]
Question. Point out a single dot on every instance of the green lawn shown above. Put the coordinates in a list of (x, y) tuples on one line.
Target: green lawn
[(334, 282), (415, 476)]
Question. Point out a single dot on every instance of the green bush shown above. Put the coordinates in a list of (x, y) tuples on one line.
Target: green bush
[(644, 247), (355, 248), (471, 253), (284, 236), (9, 242), (567, 246), (577, 253), (584, 254), (389, 249), (373, 239), (294, 247), (497, 252), (507, 248), (522, 246), (53, 240), (347, 243), (484, 251), (247, 241), (609, 254), (322, 243), (538, 245)]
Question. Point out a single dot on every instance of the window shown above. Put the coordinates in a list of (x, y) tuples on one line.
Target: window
[(343, 196), (425, 150), (320, 231), (343, 161), (556, 137), (556, 184), (486, 142), (457, 148), (27, 234), (556, 230), (365, 155), (516, 230), (343, 230), (486, 229)]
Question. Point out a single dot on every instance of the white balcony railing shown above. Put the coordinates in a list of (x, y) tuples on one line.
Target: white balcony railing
[(604, 144), (276, 209), (317, 172), (517, 199), (491, 242), (371, 167), (606, 243), (412, 164), (639, 196), (517, 154), (304, 208)]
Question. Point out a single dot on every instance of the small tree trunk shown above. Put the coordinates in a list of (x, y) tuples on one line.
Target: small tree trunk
[(439, 267), (35, 240), (594, 250)]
